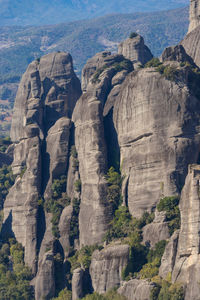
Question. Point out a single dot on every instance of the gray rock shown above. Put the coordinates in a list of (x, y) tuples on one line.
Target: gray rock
[(169, 256), (93, 64), (77, 284), (64, 228), (136, 289), (155, 126), (187, 265), (156, 231), (191, 43), (176, 53), (107, 266), (194, 14), (135, 50), (45, 286)]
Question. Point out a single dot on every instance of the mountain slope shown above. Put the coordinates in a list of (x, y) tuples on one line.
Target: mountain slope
[(30, 12)]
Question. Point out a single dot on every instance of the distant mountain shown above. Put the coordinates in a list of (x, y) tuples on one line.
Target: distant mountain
[(20, 45), (37, 12)]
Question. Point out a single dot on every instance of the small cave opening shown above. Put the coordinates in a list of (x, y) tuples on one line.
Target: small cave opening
[(111, 138)]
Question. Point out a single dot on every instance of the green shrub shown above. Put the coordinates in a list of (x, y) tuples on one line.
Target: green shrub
[(23, 171), (168, 291), (110, 295), (171, 206), (64, 295), (170, 72), (154, 62), (121, 64), (82, 258), (7, 179), (74, 224), (57, 203), (133, 35), (77, 185), (4, 143), (15, 282)]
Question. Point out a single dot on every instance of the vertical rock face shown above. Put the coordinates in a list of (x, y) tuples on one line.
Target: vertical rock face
[(194, 14), (135, 50), (95, 213), (41, 132), (77, 284), (157, 125), (191, 42), (187, 265), (107, 266)]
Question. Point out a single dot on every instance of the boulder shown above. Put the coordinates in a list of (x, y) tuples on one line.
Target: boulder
[(107, 266)]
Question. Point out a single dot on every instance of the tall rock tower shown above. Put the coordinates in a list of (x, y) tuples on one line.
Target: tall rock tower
[(194, 14)]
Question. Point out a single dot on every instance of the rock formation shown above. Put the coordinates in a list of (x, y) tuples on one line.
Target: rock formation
[(153, 132), (107, 266), (144, 122), (136, 289), (194, 14), (135, 50), (186, 268)]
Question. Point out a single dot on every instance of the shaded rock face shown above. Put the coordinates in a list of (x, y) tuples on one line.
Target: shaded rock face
[(41, 132), (194, 14), (136, 289), (156, 231), (187, 267), (157, 127), (135, 50), (106, 267)]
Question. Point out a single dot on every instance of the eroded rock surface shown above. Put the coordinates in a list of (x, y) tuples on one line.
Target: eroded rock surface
[(156, 231), (136, 289), (157, 127), (194, 14), (187, 265), (40, 131), (106, 267), (135, 50)]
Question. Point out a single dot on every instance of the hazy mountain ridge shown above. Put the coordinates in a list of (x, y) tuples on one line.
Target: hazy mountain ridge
[(27, 12)]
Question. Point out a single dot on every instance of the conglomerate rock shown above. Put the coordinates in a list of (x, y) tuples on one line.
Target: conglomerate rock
[(135, 50), (107, 266), (136, 289), (157, 124), (194, 14)]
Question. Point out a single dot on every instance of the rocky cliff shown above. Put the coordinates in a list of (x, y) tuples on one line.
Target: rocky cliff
[(99, 173)]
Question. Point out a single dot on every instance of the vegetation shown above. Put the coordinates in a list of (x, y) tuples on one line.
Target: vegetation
[(74, 224), (82, 258), (57, 203), (74, 155), (23, 171), (166, 290), (123, 64), (114, 181), (14, 275), (171, 206), (77, 185), (4, 143), (133, 35), (151, 268), (153, 63), (7, 179), (64, 295), (110, 295)]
